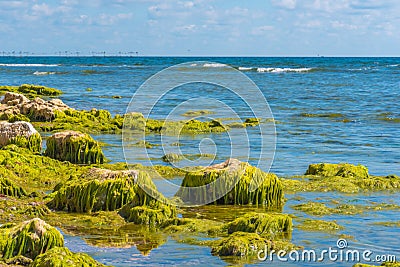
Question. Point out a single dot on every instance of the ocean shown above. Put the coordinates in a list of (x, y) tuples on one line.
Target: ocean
[(325, 110)]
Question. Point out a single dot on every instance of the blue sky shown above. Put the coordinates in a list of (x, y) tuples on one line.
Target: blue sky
[(203, 27)]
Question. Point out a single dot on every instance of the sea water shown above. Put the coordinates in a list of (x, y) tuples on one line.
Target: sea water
[(325, 110)]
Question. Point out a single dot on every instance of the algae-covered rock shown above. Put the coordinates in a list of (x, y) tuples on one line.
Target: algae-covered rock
[(20, 133), (63, 257), (31, 90), (235, 178), (8, 188), (319, 226), (265, 224), (342, 170), (172, 157), (152, 216), (29, 239), (32, 172), (386, 264), (100, 189), (75, 147), (136, 121), (240, 244)]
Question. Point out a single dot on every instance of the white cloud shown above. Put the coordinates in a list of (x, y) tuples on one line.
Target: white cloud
[(338, 24), (262, 30), (288, 4)]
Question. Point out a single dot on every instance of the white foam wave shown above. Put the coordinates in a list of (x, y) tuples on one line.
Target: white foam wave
[(44, 73), (27, 65), (245, 68), (275, 70), (214, 65)]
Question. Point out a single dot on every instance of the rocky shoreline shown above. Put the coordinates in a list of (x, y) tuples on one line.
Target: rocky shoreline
[(71, 186)]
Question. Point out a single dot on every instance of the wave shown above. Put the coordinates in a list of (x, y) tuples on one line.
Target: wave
[(44, 73), (27, 65), (274, 70), (214, 65), (245, 68)]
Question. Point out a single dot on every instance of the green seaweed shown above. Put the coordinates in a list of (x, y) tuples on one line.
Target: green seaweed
[(31, 90), (62, 256), (32, 172), (74, 147), (8, 188), (269, 192), (33, 142), (319, 226), (29, 238)]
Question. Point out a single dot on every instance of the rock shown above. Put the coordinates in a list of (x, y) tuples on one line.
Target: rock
[(265, 224), (232, 181), (100, 189), (37, 109), (343, 170), (20, 133), (75, 147), (29, 238), (62, 256)]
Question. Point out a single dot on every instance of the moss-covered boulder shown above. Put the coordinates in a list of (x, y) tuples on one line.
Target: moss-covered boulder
[(63, 257), (31, 90), (8, 188), (247, 245), (33, 172), (75, 147), (238, 177), (240, 244), (268, 225), (20, 133), (136, 121), (172, 157), (151, 215), (342, 170), (100, 189), (29, 239)]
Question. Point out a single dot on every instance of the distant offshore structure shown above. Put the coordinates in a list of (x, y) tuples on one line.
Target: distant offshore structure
[(68, 54)]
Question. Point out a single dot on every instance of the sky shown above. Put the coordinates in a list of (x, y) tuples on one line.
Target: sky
[(202, 27)]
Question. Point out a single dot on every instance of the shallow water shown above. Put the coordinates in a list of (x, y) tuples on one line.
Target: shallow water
[(326, 110)]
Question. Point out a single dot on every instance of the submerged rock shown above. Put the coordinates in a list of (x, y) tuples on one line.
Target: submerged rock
[(172, 157), (20, 133), (238, 177), (100, 189), (75, 147), (239, 244), (244, 244), (29, 239), (62, 256), (342, 170), (36, 109), (265, 224)]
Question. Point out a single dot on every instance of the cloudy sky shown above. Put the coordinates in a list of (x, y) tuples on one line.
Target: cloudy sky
[(203, 27)]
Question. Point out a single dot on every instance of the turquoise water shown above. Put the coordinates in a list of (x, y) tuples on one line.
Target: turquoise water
[(326, 110)]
